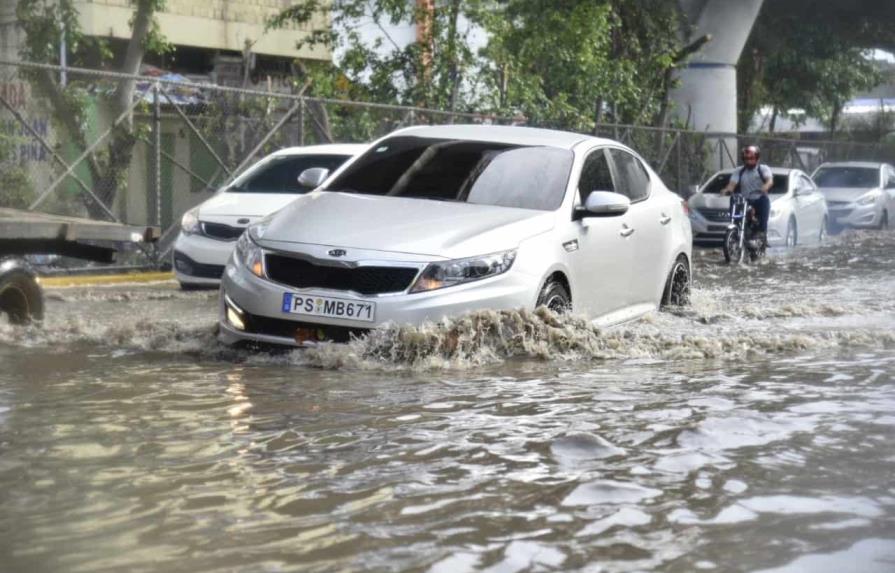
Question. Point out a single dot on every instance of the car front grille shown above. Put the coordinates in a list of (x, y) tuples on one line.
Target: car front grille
[(716, 215), (188, 266), (282, 328), (300, 273), (221, 231)]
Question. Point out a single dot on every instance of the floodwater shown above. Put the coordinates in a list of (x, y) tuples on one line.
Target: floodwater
[(754, 431)]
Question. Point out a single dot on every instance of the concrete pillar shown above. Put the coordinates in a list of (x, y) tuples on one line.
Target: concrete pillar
[(706, 96)]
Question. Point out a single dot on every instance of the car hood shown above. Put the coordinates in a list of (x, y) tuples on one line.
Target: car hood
[(718, 201), (398, 224), (232, 204), (844, 193)]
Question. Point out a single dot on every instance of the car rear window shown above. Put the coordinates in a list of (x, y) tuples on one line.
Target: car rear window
[(847, 177), (279, 174), (479, 172), (720, 181)]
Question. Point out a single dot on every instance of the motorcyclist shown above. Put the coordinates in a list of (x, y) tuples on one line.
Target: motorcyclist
[(754, 180)]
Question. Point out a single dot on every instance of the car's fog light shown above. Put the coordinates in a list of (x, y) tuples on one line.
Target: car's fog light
[(234, 314)]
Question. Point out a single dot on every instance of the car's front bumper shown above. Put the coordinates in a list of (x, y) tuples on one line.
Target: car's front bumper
[(850, 215), (259, 302), (200, 260)]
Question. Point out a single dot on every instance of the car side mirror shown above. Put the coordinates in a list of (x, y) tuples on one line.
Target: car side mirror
[(603, 204), (313, 177)]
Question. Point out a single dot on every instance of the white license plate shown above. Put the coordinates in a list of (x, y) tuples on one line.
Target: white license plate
[(329, 307)]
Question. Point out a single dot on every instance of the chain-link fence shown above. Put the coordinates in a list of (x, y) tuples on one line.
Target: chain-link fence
[(144, 149)]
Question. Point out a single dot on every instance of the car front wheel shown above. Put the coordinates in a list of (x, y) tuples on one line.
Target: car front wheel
[(20, 296), (555, 296), (677, 286)]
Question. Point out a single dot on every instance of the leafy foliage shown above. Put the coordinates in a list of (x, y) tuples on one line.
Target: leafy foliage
[(811, 56), (566, 64)]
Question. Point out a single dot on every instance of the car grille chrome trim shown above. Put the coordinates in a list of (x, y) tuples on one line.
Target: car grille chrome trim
[(362, 279), (715, 215), (221, 231)]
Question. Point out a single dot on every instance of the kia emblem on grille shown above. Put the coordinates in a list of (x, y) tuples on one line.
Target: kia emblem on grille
[(337, 252)]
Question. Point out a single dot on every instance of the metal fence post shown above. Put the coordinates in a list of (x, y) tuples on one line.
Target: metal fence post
[(157, 157), (301, 121)]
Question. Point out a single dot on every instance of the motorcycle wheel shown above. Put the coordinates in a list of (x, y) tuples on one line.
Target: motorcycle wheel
[(733, 251)]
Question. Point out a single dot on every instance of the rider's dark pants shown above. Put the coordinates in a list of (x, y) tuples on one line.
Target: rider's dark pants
[(762, 211)]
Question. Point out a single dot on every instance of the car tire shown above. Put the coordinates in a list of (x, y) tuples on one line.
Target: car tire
[(883, 221), (822, 234), (21, 298), (555, 296), (792, 233), (677, 286)]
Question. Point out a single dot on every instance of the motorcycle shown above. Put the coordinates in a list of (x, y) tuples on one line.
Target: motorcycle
[(743, 235)]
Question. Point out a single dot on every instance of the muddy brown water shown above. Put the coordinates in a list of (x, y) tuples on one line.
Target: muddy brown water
[(753, 431)]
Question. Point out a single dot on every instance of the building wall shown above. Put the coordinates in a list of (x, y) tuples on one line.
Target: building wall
[(212, 24)]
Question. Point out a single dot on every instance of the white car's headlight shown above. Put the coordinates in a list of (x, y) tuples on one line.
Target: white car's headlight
[(189, 223), (868, 199), (249, 255), (459, 271)]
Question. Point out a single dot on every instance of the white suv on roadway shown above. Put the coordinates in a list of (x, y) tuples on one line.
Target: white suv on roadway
[(434, 222), (859, 194)]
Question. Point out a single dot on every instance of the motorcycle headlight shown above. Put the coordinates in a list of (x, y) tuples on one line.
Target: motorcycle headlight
[(459, 271), (868, 199), (249, 255), (189, 223)]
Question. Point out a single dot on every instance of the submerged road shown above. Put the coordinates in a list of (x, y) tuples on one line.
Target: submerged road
[(754, 431)]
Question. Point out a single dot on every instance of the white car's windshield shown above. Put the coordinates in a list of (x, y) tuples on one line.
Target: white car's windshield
[(847, 177), (279, 174), (484, 173)]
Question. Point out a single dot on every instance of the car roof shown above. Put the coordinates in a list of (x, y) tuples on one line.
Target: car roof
[(325, 149), (870, 164), (513, 135)]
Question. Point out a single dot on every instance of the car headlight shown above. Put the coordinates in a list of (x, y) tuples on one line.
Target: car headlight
[(249, 255), (868, 199), (189, 223), (459, 271)]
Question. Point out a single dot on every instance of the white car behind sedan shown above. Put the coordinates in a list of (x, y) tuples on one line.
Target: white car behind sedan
[(434, 222), (798, 210), (209, 231), (860, 194)]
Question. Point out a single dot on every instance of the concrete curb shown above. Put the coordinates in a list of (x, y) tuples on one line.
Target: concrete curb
[(99, 280)]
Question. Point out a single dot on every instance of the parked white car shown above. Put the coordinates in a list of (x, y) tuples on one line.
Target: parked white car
[(209, 231), (435, 222), (798, 210), (860, 194)]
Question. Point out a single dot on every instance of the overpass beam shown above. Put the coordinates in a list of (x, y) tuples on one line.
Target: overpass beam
[(706, 95)]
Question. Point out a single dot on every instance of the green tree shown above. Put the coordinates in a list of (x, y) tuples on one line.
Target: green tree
[(45, 24), (811, 55), (568, 64)]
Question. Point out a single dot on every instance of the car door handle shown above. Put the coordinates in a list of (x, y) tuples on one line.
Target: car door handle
[(665, 219), (626, 231)]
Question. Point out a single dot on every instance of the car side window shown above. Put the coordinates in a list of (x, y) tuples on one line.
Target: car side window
[(631, 177), (890, 174), (595, 175)]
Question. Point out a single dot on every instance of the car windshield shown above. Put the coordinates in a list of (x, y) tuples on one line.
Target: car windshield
[(847, 177), (279, 174), (479, 172), (720, 181)]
